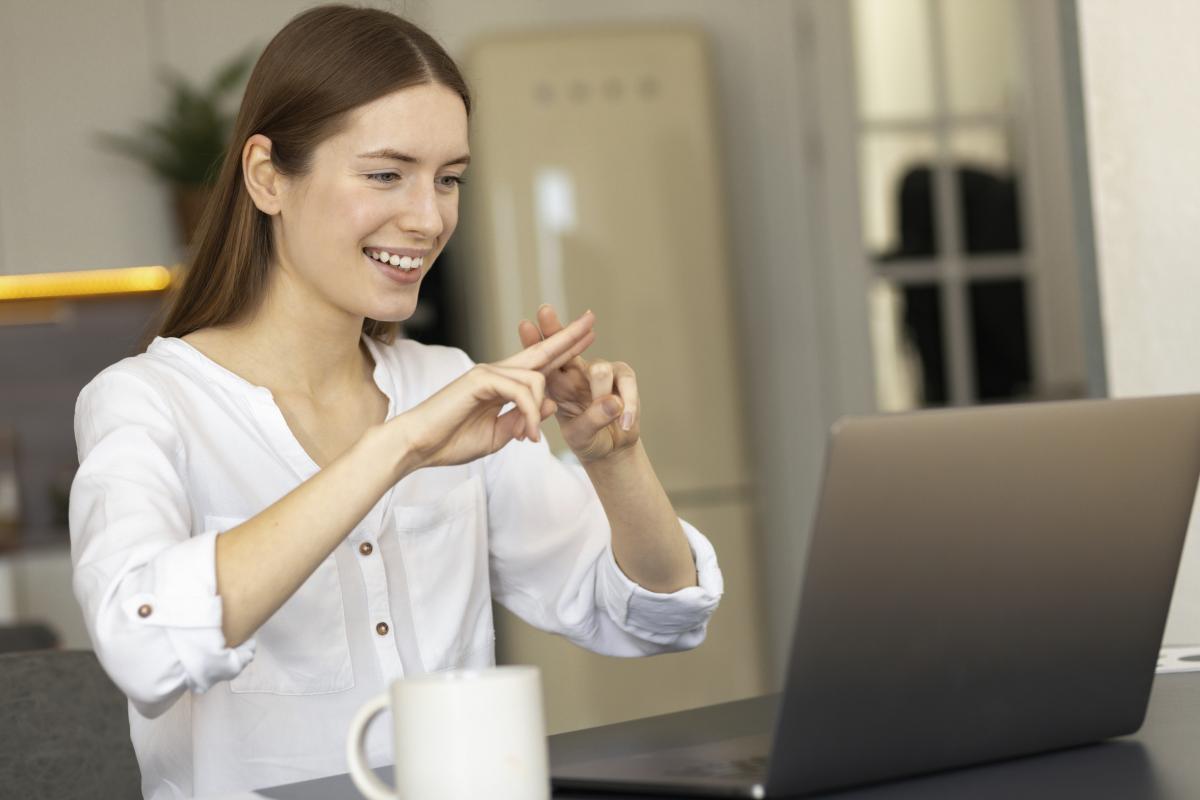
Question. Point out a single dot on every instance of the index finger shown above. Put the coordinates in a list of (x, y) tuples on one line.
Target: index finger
[(547, 352), (548, 324)]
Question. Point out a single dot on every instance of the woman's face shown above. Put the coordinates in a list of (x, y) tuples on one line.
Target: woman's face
[(387, 183)]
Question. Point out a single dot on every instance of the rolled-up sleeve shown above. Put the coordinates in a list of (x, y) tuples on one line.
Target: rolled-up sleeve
[(147, 587), (551, 561), (677, 619)]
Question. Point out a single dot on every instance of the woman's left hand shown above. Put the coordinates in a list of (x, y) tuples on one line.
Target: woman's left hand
[(597, 400)]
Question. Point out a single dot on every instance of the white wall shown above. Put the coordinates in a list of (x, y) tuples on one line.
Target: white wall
[(1141, 74), (67, 71)]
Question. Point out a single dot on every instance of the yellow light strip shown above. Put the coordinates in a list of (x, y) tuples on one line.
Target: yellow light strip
[(84, 283)]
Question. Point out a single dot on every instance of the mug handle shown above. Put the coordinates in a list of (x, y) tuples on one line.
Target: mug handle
[(363, 776)]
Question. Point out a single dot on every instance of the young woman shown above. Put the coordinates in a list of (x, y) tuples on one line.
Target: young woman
[(281, 508)]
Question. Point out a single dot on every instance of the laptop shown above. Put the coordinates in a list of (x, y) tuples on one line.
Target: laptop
[(981, 584)]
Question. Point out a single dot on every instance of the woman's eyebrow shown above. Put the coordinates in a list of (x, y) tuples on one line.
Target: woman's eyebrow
[(395, 155)]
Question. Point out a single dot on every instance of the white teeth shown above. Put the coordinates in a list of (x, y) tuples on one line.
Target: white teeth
[(403, 262)]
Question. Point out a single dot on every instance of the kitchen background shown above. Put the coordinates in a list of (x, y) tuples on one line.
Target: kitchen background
[(782, 211)]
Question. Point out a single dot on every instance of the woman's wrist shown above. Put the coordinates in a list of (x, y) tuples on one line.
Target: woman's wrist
[(614, 460), (613, 457), (388, 445)]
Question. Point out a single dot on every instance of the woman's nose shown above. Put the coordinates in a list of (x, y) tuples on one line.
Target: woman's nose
[(421, 214)]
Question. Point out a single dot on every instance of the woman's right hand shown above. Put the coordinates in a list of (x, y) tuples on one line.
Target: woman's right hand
[(462, 422)]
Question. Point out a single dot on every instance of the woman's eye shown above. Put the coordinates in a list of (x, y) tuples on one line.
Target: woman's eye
[(387, 178)]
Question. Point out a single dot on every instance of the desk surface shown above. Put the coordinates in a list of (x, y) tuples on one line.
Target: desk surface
[(1160, 762)]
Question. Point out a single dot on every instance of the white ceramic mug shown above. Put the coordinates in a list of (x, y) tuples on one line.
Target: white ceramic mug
[(460, 735)]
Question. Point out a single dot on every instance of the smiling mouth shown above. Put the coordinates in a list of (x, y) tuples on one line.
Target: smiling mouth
[(405, 263)]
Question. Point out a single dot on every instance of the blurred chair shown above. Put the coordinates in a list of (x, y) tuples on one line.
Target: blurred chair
[(66, 729), (29, 636)]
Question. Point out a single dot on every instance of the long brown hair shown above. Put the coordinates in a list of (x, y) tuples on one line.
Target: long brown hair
[(326, 62)]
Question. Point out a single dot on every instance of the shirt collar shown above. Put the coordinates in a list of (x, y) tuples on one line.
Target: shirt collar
[(175, 346)]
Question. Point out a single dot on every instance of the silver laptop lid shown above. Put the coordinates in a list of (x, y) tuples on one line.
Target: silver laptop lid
[(984, 583)]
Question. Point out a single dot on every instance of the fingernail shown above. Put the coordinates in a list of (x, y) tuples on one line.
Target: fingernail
[(611, 407), (627, 421)]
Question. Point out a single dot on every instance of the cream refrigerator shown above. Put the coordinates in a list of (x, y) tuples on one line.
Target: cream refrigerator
[(596, 184)]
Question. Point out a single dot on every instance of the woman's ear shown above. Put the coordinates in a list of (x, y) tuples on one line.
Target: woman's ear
[(263, 181)]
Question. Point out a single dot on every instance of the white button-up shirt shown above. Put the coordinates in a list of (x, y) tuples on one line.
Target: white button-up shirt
[(174, 449)]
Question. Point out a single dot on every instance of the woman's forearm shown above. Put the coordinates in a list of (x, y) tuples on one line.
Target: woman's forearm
[(263, 561), (647, 540)]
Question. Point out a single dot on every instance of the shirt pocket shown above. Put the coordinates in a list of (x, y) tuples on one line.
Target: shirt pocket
[(302, 648), (444, 547)]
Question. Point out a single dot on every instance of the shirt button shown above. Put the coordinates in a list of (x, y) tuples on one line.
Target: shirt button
[(145, 610), (382, 629), (366, 549)]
